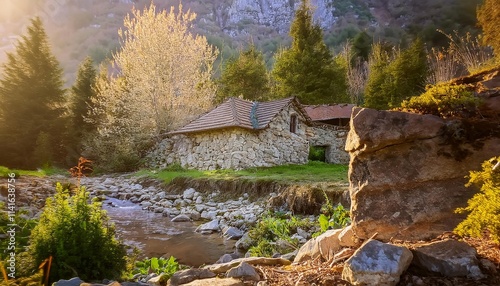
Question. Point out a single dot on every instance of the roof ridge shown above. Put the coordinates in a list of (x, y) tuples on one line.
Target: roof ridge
[(234, 111)]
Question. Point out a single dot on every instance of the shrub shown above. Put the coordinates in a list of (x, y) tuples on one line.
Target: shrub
[(445, 100), (483, 207), (272, 235), (332, 217), (156, 265), (78, 236)]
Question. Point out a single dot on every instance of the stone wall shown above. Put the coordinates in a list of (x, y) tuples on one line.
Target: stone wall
[(237, 148), (333, 138)]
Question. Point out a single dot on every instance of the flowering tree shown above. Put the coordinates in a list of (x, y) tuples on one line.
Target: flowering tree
[(162, 77)]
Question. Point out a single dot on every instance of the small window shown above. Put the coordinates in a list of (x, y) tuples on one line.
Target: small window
[(293, 123)]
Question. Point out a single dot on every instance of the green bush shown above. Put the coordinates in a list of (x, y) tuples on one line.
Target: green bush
[(332, 217), (272, 229), (445, 100), (157, 265), (79, 237), (317, 153), (483, 207)]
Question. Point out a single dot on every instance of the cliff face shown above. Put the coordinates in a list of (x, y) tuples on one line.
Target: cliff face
[(276, 14)]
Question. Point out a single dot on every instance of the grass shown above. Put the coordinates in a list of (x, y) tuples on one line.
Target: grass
[(312, 172), (42, 172)]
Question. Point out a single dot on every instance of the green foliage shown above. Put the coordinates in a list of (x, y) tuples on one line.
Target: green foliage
[(23, 228), (314, 171), (245, 76), (307, 69), (42, 154), (317, 153), (332, 217), (391, 83), (31, 99), (79, 237), (445, 100), (46, 171), (272, 235), (157, 265), (83, 92), (488, 17), (484, 207)]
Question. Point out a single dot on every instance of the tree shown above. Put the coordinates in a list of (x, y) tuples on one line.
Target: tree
[(31, 100), (82, 94), (307, 68), (389, 84), (245, 76), (488, 17), (162, 79)]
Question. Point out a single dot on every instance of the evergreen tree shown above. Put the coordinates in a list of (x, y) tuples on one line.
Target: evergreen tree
[(307, 69), (245, 76), (488, 16), (391, 83), (82, 94), (31, 100), (362, 45)]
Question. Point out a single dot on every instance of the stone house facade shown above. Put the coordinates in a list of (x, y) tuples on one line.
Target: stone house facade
[(240, 134)]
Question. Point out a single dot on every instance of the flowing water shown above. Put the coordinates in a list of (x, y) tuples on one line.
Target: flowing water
[(156, 235)]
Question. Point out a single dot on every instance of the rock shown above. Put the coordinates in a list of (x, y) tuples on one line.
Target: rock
[(233, 233), (410, 164), (348, 238), (244, 243), (223, 267), (224, 258), (322, 246), (209, 226), (290, 256), (199, 200), (71, 282), (186, 276), (181, 218), (244, 271), (377, 263), (155, 281), (448, 258), (216, 281), (189, 193)]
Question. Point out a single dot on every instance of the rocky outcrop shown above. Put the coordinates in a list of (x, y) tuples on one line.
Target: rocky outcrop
[(407, 171)]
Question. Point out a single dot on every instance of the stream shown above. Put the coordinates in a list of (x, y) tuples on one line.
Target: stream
[(156, 236)]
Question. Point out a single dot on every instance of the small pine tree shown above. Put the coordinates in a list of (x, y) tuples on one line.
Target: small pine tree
[(245, 76), (484, 207), (307, 69), (42, 154), (78, 236)]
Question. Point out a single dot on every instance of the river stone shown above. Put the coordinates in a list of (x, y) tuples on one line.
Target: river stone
[(209, 226), (244, 271), (189, 193), (224, 267), (244, 243), (216, 281), (377, 263), (188, 275), (71, 282), (449, 258), (233, 233), (322, 246), (181, 218)]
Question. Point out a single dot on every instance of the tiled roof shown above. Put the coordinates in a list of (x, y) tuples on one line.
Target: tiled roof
[(326, 112), (241, 113)]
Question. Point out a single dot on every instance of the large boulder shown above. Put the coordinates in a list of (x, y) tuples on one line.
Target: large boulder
[(407, 171), (377, 263)]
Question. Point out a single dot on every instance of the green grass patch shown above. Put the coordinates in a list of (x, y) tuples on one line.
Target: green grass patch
[(43, 172), (312, 172)]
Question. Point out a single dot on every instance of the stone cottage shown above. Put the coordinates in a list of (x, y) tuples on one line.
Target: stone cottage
[(240, 134), (329, 130)]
